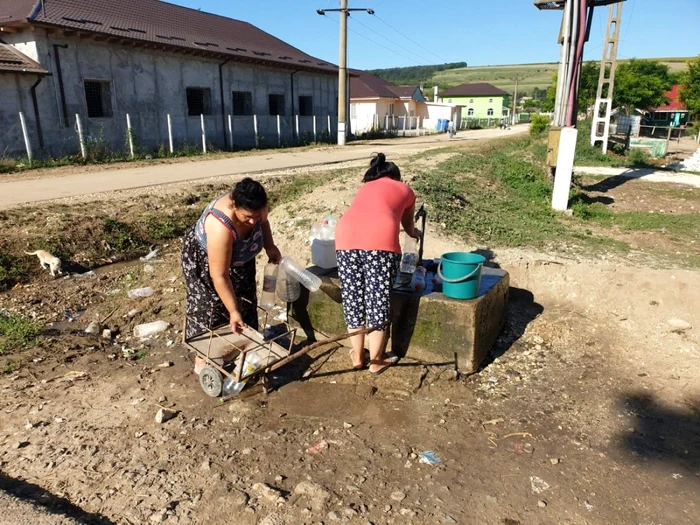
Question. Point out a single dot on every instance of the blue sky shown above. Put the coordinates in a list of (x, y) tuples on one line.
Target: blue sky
[(486, 32)]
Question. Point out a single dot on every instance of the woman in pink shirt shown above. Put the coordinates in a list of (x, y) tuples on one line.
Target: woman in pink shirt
[(369, 255)]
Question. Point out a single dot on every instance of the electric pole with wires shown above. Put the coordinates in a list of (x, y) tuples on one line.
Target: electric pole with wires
[(343, 91), (514, 119)]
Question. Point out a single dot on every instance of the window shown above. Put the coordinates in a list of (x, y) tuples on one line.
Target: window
[(471, 100), (306, 106), (391, 109), (242, 103), (490, 112), (490, 101), (449, 101), (198, 101), (276, 103), (470, 112), (98, 98), (353, 110), (661, 117)]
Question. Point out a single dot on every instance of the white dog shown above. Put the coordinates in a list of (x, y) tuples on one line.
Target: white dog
[(46, 260)]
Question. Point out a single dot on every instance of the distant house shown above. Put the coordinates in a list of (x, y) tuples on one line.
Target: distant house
[(674, 113), (151, 59), (378, 104), (480, 100)]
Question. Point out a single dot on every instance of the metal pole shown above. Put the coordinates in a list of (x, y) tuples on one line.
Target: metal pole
[(343, 72), (170, 135), (130, 135), (315, 134), (297, 125), (27, 144), (561, 75), (255, 130), (81, 137), (204, 135), (230, 132), (279, 132), (330, 129)]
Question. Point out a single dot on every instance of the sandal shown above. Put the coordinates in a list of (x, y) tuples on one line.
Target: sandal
[(382, 362)]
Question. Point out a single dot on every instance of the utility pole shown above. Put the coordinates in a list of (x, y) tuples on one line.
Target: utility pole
[(600, 130), (515, 98), (343, 79)]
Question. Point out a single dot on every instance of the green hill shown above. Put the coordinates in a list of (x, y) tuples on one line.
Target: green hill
[(534, 75)]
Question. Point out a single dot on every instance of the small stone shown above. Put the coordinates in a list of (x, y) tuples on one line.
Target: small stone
[(206, 466), (349, 512), (158, 517), (148, 268), (20, 444), (167, 364), (164, 415), (554, 461), (247, 451), (272, 519), (316, 495), (93, 328), (162, 399), (133, 313), (398, 496), (541, 504), (279, 479), (679, 324), (537, 340), (138, 401), (347, 426), (216, 477), (238, 499), (268, 492), (106, 333), (387, 509), (491, 498), (333, 516)]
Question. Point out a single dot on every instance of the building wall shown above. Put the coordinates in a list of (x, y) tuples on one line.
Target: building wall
[(150, 84), (14, 97), (480, 105)]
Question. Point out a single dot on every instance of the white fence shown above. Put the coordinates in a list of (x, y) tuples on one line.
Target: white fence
[(131, 135), (388, 124)]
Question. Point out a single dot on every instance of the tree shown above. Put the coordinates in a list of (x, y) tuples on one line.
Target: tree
[(532, 104), (690, 86), (641, 84), (550, 96), (588, 86)]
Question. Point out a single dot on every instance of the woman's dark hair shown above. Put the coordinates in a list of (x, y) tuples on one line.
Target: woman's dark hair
[(249, 194), (379, 168)]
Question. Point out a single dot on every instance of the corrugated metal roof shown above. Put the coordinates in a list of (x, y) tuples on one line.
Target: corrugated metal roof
[(168, 24), (365, 85), (674, 101), (479, 89), (13, 61)]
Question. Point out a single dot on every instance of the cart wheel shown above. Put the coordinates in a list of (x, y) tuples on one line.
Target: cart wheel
[(211, 381)]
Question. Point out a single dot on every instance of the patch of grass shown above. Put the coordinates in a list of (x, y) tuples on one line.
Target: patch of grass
[(17, 332), (121, 238), (11, 367), (12, 270), (540, 125), (297, 187)]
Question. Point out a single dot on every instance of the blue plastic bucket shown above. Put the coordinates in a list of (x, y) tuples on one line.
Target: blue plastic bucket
[(461, 274)]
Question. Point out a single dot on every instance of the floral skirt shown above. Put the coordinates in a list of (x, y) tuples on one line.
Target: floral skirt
[(203, 306)]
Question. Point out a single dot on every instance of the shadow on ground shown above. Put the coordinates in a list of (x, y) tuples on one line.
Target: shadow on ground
[(53, 504), (663, 434)]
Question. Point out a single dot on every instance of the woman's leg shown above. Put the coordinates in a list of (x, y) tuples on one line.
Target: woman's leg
[(351, 273), (381, 268), (245, 287)]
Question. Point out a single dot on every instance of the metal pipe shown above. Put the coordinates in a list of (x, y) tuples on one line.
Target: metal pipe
[(59, 74), (223, 101), (37, 118), (573, 90), (561, 78), (573, 33)]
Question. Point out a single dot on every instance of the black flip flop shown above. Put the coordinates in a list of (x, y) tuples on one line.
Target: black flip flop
[(387, 367)]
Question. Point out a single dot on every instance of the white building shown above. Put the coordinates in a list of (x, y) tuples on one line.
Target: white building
[(150, 59)]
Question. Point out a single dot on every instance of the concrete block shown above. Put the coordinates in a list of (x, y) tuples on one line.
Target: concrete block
[(431, 326)]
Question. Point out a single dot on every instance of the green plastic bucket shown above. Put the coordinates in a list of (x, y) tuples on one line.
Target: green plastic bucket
[(461, 274)]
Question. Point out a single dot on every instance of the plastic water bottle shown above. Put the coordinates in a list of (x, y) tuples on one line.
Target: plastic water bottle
[(409, 260), (306, 279), (315, 232), (140, 292), (252, 363), (288, 288), (418, 282), (150, 329), (267, 300)]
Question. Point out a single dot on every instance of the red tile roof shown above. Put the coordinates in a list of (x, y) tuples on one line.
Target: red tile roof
[(12, 61), (480, 89), (674, 101), (166, 24)]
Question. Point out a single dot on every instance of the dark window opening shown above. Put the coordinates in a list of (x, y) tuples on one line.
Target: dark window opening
[(198, 101), (242, 103), (98, 98), (306, 106), (276, 105)]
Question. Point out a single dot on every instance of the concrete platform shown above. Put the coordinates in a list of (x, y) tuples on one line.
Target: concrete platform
[(430, 326)]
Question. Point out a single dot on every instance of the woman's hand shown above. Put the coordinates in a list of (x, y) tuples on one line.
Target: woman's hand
[(274, 254), (236, 322)]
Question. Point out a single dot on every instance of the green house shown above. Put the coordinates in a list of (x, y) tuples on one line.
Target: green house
[(481, 100)]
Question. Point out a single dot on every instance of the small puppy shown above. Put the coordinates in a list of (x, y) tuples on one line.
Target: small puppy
[(46, 260)]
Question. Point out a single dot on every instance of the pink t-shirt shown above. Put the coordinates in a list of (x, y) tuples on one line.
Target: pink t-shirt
[(373, 220)]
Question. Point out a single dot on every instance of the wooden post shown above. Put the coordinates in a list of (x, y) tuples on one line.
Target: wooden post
[(170, 135), (315, 136), (204, 135), (25, 134), (404, 125), (297, 124), (255, 130), (81, 137), (230, 132), (130, 135), (279, 132)]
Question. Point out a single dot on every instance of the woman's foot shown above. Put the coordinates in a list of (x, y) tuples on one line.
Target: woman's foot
[(379, 366), (199, 363), (358, 359)]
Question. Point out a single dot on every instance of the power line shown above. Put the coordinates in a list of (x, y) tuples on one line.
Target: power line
[(390, 41), (409, 39)]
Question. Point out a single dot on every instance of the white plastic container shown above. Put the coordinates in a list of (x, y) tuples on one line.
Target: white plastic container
[(252, 363), (323, 254)]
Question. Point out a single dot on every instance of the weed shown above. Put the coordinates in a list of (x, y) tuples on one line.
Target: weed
[(11, 367), (11, 270), (120, 236), (17, 331), (540, 125), (638, 157)]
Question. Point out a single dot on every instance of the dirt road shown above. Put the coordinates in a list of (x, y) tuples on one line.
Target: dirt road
[(69, 183)]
